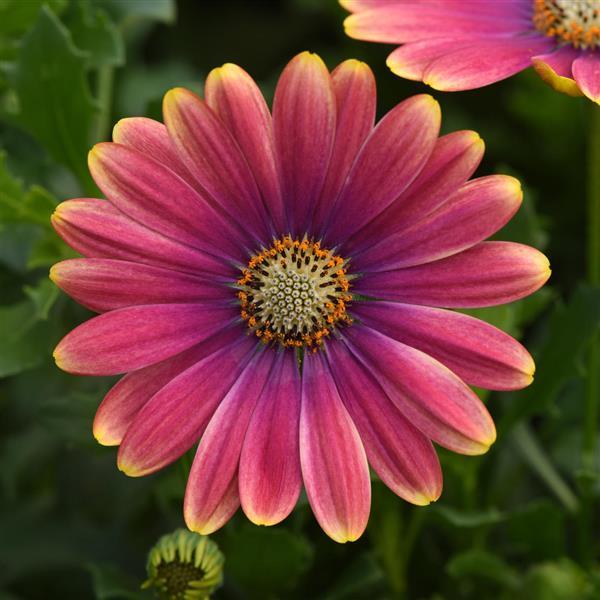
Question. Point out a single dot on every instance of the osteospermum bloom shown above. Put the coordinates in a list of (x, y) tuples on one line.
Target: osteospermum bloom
[(271, 285), (463, 44)]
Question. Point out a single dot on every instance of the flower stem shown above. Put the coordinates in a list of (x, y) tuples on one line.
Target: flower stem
[(104, 96), (590, 422)]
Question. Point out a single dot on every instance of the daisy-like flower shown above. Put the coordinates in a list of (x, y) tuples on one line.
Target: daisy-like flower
[(268, 283), (456, 45)]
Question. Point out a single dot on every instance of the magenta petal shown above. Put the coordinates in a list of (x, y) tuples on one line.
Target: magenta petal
[(477, 352), (478, 210), (586, 71), (398, 22), (355, 93), (216, 463), (453, 160), (428, 394), (96, 229), (173, 420), (487, 274), (483, 62), (214, 159), (304, 125), (402, 456), (238, 101), (138, 336), (152, 139), (388, 162), (269, 474), (334, 464), (556, 69), (153, 195), (102, 284), (127, 397)]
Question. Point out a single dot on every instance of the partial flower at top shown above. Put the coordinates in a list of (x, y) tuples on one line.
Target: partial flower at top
[(268, 283), (456, 45)]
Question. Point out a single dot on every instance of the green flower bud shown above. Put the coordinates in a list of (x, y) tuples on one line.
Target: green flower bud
[(184, 566)]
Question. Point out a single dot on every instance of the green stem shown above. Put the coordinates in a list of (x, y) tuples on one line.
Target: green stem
[(590, 422), (104, 95), (534, 455)]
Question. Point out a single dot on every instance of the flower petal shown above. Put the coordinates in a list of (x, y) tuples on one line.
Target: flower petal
[(95, 228), (477, 352), (214, 159), (152, 139), (269, 475), (355, 93), (453, 160), (138, 336), (479, 209), (402, 456), (334, 464), (411, 21), (586, 70), (555, 69), (127, 397), (483, 62), (103, 284), (428, 394), (304, 125), (153, 195), (216, 463), (487, 274), (173, 420), (388, 162), (238, 101)]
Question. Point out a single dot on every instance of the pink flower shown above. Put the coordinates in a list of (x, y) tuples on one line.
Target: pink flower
[(456, 45), (235, 263)]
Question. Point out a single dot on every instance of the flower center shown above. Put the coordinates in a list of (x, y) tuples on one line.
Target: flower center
[(294, 293), (576, 22)]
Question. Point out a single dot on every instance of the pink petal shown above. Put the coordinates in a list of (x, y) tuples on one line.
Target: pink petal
[(402, 456), (428, 394), (487, 274), (269, 475), (478, 210), (153, 195), (453, 160), (355, 93), (215, 466), (214, 159), (485, 61), (334, 464), (173, 420), (152, 139), (304, 125), (95, 228), (138, 336), (586, 70), (388, 162), (477, 352), (127, 397), (238, 101), (413, 21), (555, 68), (103, 284)]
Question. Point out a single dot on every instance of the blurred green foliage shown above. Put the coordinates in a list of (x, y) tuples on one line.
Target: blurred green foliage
[(510, 524)]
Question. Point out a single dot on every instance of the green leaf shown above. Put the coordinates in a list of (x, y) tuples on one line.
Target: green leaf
[(558, 359), (18, 15), (363, 579), (19, 206), (484, 565), (94, 33), (126, 11), (55, 104), (111, 583), (265, 560), (560, 580)]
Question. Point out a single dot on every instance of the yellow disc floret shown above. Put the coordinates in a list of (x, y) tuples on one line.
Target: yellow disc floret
[(575, 22), (294, 293)]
